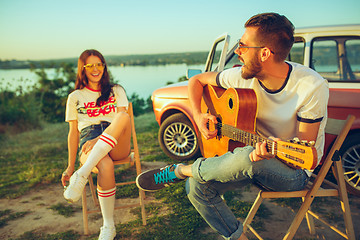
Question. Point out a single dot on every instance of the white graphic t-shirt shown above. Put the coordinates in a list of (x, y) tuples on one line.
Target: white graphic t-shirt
[(81, 106)]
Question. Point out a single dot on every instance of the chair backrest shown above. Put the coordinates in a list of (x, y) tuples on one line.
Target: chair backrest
[(340, 128), (131, 114), (135, 147), (336, 127), (130, 111)]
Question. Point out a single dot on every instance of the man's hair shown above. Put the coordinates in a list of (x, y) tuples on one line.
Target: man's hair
[(274, 31)]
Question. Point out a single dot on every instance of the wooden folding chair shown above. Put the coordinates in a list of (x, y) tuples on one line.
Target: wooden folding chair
[(315, 188), (133, 158)]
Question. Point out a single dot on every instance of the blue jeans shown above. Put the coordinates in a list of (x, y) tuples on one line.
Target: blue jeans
[(212, 177)]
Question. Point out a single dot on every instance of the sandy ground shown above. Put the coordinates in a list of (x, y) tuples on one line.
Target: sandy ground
[(42, 218)]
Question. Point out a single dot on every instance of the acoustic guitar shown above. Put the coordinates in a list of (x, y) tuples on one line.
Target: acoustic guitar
[(236, 110)]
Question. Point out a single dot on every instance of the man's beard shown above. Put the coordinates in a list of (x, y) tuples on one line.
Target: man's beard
[(252, 69)]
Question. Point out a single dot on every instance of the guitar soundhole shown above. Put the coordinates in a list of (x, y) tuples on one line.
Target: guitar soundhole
[(231, 103)]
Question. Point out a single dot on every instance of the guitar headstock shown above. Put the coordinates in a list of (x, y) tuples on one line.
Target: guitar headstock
[(300, 153)]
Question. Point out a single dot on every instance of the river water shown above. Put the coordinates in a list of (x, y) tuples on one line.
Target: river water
[(135, 79)]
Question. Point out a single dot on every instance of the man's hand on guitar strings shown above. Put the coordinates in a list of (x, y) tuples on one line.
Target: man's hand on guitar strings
[(203, 121), (260, 152)]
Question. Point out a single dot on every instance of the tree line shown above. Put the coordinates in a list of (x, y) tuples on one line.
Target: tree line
[(189, 58)]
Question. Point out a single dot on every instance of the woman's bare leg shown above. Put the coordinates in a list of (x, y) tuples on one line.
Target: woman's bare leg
[(105, 171), (120, 130)]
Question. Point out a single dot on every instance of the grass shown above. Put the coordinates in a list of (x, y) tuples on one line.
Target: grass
[(8, 215), (40, 156), (36, 235), (31, 158), (66, 210)]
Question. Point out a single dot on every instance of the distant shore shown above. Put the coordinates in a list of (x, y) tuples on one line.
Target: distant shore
[(188, 58)]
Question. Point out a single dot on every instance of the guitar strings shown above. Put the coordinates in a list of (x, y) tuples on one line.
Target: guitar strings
[(245, 137), (251, 139)]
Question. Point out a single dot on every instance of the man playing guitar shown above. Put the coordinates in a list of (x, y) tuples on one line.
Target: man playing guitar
[(292, 102)]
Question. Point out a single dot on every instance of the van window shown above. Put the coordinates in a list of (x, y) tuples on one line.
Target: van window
[(297, 51), (325, 58), (353, 55), (336, 58)]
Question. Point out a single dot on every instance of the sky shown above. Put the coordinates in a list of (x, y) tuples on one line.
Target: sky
[(49, 29)]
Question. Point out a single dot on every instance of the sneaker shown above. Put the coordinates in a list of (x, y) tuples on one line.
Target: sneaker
[(107, 233), (157, 179), (76, 186)]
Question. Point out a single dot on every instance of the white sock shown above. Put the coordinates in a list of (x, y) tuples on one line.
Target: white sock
[(107, 204), (102, 147)]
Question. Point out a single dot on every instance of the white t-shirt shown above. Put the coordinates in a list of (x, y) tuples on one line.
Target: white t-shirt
[(303, 97), (81, 106)]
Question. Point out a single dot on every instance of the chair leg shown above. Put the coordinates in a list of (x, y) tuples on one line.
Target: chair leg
[(93, 191), (309, 198), (142, 205), (85, 212), (310, 221), (345, 206), (299, 216), (252, 212)]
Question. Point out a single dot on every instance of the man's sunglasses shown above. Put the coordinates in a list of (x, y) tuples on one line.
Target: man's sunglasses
[(241, 48), (91, 67)]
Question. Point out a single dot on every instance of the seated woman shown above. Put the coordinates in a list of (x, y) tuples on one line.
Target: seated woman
[(99, 127)]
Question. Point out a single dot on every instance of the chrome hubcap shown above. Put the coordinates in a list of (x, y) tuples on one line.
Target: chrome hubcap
[(180, 139)]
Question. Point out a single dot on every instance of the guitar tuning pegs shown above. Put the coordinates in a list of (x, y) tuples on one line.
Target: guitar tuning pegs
[(302, 142), (305, 143)]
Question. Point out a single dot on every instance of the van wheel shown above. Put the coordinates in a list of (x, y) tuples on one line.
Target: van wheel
[(350, 157), (178, 139)]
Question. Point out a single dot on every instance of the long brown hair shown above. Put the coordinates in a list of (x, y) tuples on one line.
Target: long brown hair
[(82, 81)]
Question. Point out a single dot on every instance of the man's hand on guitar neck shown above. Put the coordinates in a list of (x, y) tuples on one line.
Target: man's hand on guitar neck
[(260, 152), (202, 121)]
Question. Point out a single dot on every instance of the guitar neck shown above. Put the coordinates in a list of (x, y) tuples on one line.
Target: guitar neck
[(246, 137)]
